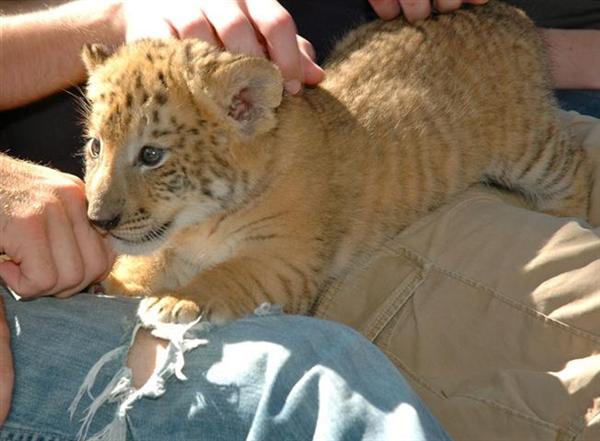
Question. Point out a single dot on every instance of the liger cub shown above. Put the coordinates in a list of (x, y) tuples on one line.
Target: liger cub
[(222, 192)]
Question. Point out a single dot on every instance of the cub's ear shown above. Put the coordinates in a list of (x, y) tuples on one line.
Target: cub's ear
[(247, 90), (93, 55)]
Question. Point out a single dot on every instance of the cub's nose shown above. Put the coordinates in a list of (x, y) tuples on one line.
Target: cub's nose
[(106, 224)]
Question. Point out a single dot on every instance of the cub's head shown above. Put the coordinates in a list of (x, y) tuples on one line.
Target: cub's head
[(166, 128)]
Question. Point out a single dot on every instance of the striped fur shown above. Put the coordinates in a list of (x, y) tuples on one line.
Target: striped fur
[(264, 198)]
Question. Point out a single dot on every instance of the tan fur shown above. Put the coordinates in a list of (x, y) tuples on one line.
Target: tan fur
[(268, 199)]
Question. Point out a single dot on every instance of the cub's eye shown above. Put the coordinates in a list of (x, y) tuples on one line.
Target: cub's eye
[(94, 147), (151, 156)]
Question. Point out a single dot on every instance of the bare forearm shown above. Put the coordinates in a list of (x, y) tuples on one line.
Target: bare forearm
[(11, 7), (575, 57), (40, 51)]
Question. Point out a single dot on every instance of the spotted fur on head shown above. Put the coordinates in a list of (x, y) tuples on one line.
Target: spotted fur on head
[(192, 102)]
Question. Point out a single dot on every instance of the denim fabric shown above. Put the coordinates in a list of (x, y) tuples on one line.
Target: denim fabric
[(586, 102), (274, 377)]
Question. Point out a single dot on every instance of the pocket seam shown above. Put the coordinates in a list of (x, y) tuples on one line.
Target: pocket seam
[(397, 299), (521, 307), (515, 304), (419, 267)]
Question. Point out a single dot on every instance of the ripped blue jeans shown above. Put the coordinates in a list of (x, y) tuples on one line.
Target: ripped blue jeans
[(264, 377)]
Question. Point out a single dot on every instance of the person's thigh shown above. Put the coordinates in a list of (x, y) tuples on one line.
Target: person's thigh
[(55, 343), (266, 377)]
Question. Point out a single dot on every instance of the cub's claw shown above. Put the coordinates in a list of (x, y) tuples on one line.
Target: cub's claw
[(167, 309)]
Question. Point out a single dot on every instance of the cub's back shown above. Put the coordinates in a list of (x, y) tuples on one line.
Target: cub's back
[(481, 69), (416, 113)]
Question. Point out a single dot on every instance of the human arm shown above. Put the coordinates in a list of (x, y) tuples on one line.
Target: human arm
[(40, 50), (575, 57), (44, 230)]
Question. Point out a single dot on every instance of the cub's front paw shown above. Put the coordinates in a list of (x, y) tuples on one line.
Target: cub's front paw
[(167, 309)]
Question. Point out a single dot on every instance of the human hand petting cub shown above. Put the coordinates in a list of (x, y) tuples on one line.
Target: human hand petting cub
[(254, 27), (415, 10)]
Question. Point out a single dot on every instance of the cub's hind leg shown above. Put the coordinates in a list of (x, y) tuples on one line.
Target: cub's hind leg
[(553, 173)]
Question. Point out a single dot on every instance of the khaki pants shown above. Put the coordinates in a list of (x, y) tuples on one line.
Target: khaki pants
[(492, 312)]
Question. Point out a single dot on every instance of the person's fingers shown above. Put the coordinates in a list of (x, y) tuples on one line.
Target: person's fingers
[(111, 256), (32, 270), (6, 367), (95, 260), (190, 22), (99, 257), (306, 47), (92, 252), (72, 245), (98, 260), (313, 74), (96, 254), (65, 250), (105, 259), (386, 9), (232, 27), (447, 5), (415, 10), (277, 28)]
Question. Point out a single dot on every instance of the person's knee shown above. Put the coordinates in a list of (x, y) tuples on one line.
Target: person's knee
[(145, 354)]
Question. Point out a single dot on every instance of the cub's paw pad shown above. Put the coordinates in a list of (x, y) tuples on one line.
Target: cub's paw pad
[(168, 309)]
